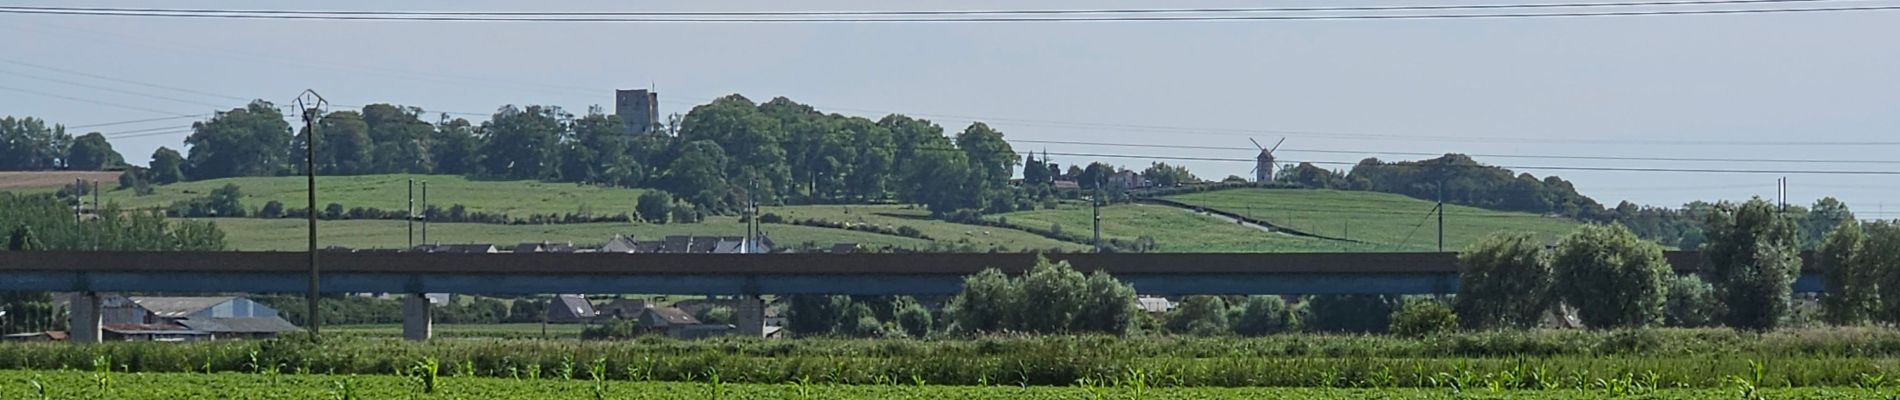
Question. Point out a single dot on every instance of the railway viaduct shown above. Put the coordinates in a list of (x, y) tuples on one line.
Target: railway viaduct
[(745, 275)]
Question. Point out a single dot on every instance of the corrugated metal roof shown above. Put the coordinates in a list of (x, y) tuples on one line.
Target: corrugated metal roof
[(177, 307), (240, 325)]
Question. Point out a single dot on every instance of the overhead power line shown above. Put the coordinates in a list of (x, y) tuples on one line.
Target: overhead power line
[(136, 121), (1513, 167), (371, 16), (86, 100), (888, 13), (1409, 153)]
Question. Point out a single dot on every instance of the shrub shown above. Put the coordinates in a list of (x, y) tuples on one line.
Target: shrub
[(333, 211), (720, 315), (1051, 298), (1423, 317), (1691, 303), (1263, 315), (1881, 252), (1850, 296), (1356, 313), (1503, 281), (1200, 315), (272, 209), (1753, 261), (653, 206), (915, 320), (1613, 278)]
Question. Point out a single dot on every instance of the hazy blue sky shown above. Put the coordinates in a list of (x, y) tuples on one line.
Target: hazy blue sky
[(1407, 86)]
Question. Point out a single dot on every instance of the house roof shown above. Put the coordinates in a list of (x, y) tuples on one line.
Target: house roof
[(146, 329), (673, 316), (844, 248), (577, 305), (1154, 304), (240, 325), (456, 248), (177, 307)]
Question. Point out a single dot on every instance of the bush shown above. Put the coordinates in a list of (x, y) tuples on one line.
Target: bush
[(1882, 249), (1850, 297), (1200, 315), (1352, 313), (685, 214), (914, 319), (333, 211), (653, 206), (720, 315), (1613, 278), (1264, 315), (1753, 259), (1423, 317), (1503, 281), (272, 209), (1051, 298), (1691, 303)]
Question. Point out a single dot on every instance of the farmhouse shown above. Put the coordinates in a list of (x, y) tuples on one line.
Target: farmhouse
[(189, 318)]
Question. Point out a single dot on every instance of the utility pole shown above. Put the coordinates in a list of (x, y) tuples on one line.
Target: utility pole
[(1441, 216), (312, 106), (1096, 207), (425, 212), (95, 213), (411, 217)]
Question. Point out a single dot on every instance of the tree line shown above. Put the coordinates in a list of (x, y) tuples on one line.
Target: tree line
[(718, 156), (43, 222), (28, 144)]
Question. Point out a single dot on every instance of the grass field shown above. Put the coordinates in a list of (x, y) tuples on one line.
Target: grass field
[(255, 234), (1394, 222), (896, 215), (390, 192), (1174, 230), (110, 385)]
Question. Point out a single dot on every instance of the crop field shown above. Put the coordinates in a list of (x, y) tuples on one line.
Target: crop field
[(255, 234), (1392, 222), (1175, 230), (47, 181), (120, 385), (894, 216), (390, 192), (461, 331)]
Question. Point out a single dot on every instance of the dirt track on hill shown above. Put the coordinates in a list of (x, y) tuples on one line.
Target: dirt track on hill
[(46, 179)]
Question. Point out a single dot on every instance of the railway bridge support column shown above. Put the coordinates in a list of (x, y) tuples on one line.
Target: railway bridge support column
[(417, 318), (83, 318), (750, 316)]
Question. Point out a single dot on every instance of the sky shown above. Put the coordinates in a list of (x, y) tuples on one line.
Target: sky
[(1759, 86)]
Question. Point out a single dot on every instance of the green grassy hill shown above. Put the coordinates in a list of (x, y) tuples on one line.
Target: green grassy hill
[(390, 192), (893, 216), (256, 234), (1394, 222), (1175, 230)]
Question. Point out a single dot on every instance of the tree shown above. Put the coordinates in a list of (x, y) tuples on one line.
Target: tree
[(167, 166), (1264, 315), (720, 315), (1350, 313), (940, 177), (522, 143), (1753, 257), (990, 157), (1051, 298), (272, 209), (1691, 303), (596, 152), (913, 318), (1825, 215), (401, 139), (1503, 281), (1850, 296), (1164, 175), (92, 152), (249, 141), (1880, 253), (698, 174), (752, 142), (653, 206), (343, 145), (27, 144), (454, 148), (1200, 315), (1423, 317), (1613, 278), (816, 315)]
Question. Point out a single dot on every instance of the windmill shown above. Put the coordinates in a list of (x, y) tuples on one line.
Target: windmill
[(1263, 163)]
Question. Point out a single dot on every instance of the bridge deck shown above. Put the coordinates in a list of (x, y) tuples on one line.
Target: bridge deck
[(859, 274)]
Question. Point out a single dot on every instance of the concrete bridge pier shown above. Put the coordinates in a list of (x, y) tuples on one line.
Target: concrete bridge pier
[(749, 316), (417, 318), (84, 318)]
